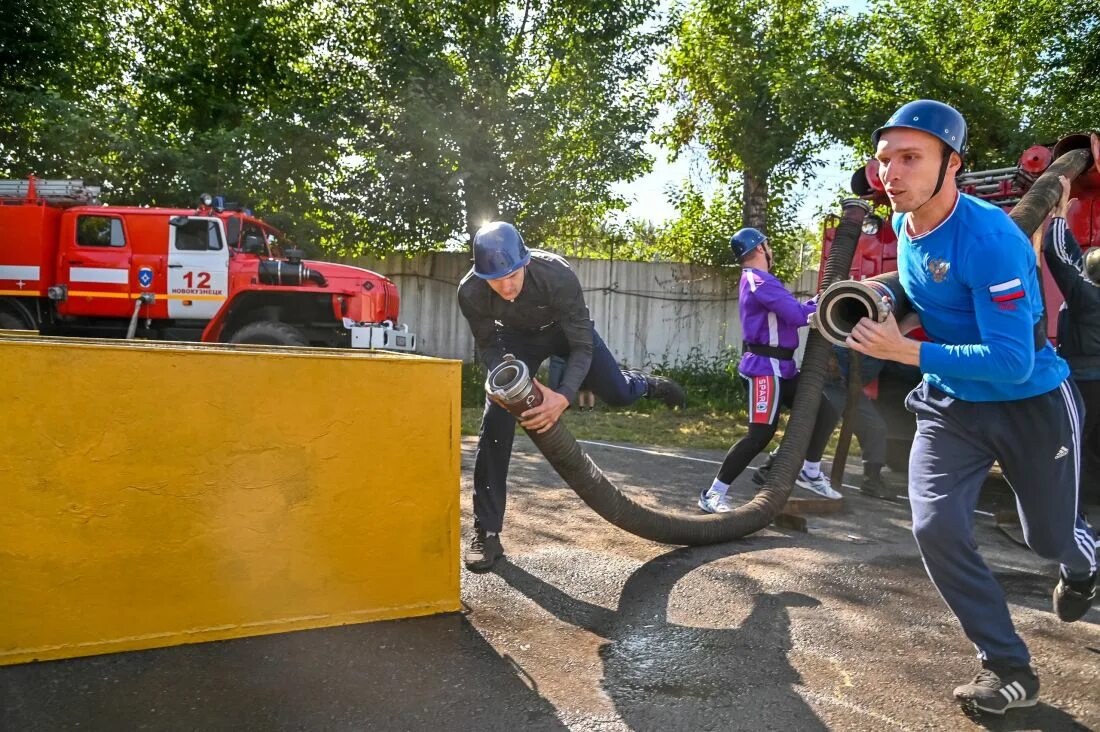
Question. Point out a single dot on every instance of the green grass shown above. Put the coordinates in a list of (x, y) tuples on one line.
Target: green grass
[(692, 428), (697, 428)]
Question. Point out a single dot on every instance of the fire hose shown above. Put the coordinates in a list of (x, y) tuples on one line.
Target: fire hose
[(848, 425), (511, 386)]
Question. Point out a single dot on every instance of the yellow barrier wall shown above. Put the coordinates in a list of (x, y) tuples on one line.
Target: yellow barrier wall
[(157, 494)]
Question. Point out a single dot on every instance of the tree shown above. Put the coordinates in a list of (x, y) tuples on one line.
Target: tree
[(704, 224), (388, 126), (1068, 97), (756, 84), (55, 60), (221, 98), (521, 110), (162, 101), (986, 59)]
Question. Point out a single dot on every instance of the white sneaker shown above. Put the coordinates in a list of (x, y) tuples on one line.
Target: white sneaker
[(713, 502), (819, 485)]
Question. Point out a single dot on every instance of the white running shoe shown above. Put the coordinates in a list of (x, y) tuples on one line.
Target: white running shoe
[(711, 501), (819, 485)]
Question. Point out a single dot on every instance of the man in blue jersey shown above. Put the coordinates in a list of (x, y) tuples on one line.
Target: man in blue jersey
[(993, 389)]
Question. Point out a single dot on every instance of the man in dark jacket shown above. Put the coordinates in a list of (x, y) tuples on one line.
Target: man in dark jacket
[(529, 303), (1078, 330)]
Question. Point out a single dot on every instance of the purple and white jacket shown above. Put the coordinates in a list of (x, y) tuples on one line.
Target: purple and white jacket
[(770, 316)]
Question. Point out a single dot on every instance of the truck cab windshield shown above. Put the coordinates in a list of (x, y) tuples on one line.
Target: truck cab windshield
[(246, 235)]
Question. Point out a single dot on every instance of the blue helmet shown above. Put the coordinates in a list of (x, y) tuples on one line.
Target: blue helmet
[(927, 115), (745, 240), (498, 251)]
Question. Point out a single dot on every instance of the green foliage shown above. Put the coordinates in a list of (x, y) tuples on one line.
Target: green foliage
[(763, 86), (56, 62), (185, 98), (398, 126), (1067, 97), (373, 127), (996, 61), (473, 384), (702, 228), (711, 383), (536, 108), (595, 236)]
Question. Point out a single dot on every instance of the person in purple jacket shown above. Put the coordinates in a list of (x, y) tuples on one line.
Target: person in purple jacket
[(770, 319)]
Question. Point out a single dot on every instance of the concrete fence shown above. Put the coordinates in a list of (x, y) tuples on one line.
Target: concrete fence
[(646, 312)]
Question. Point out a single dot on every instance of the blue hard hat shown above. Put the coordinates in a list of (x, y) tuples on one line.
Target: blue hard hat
[(927, 115), (745, 240), (498, 251)]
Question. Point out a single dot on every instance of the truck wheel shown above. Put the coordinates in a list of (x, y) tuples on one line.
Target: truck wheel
[(10, 321), (897, 455), (269, 333)]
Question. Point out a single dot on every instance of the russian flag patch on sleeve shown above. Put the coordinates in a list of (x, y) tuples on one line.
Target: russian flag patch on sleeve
[(1011, 290)]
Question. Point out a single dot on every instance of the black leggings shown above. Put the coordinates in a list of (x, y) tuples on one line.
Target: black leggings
[(759, 435)]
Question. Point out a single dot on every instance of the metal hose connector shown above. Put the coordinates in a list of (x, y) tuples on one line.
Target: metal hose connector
[(845, 303)]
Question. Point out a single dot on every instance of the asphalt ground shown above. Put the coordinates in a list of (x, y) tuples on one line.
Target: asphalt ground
[(585, 627)]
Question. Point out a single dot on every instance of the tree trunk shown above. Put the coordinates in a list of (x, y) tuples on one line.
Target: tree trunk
[(755, 204)]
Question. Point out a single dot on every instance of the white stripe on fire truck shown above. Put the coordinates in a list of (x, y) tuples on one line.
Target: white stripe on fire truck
[(100, 275), (18, 272)]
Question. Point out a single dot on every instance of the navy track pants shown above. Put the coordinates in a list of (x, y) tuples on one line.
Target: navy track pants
[(1037, 442)]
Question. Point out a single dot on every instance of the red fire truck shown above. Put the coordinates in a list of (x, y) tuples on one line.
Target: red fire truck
[(215, 274), (877, 253)]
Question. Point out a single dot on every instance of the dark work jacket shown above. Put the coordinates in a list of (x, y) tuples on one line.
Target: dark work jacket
[(1079, 318), (551, 298)]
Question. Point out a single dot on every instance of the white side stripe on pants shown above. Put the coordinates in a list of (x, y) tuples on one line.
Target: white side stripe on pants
[(1085, 543)]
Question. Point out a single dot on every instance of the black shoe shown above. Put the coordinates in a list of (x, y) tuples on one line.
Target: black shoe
[(760, 477), (484, 551), (666, 390), (999, 687), (1072, 599), (875, 487)]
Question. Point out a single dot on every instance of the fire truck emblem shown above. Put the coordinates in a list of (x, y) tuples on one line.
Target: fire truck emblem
[(145, 277), (938, 268)]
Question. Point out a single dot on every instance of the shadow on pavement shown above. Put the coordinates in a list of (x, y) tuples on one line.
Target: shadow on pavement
[(1041, 716), (662, 676), (421, 674)]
